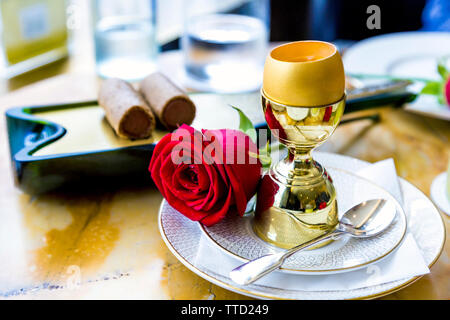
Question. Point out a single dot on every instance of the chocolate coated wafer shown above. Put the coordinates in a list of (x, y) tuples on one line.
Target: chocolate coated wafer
[(126, 110), (169, 103)]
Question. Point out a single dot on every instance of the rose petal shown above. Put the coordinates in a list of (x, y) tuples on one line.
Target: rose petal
[(234, 142), (447, 91), (180, 187), (155, 166), (221, 212), (184, 209), (269, 188), (182, 179), (216, 189)]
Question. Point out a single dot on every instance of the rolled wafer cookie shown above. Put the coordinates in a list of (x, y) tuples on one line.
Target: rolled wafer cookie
[(169, 103), (126, 110)]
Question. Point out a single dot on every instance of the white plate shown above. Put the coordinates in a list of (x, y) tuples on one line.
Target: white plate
[(404, 54), (438, 193), (183, 236), (235, 236)]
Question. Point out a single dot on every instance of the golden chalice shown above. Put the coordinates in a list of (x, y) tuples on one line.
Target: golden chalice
[(303, 99)]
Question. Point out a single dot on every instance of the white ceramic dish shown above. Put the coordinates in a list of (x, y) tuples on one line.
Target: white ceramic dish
[(438, 193), (235, 236), (183, 236)]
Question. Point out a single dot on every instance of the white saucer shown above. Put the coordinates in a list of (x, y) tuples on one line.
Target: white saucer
[(438, 193), (235, 236)]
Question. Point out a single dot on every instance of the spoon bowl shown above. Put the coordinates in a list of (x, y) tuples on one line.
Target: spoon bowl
[(364, 220), (368, 218)]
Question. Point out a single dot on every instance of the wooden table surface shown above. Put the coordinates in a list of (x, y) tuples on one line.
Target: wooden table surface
[(108, 245), (111, 244)]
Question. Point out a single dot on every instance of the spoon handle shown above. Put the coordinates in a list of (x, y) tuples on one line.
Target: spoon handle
[(255, 269), (327, 236)]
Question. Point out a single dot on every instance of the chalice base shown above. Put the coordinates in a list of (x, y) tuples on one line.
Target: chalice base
[(290, 214)]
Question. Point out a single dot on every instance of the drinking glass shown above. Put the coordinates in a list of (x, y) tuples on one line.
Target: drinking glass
[(33, 33), (124, 33), (303, 100), (225, 43)]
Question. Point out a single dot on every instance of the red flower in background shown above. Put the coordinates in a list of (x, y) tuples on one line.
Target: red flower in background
[(206, 175), (440, 88), (447, 91)]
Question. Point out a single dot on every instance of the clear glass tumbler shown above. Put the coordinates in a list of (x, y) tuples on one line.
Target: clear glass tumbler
[(124, 33), (225, 43)]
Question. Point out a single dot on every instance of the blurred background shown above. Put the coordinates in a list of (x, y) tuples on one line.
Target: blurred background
[(74, 33), (330, 20)]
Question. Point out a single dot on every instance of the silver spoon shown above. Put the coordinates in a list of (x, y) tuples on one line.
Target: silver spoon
[(364, 220)]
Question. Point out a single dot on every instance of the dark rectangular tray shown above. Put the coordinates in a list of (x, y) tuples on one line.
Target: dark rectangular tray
[(118, 165)]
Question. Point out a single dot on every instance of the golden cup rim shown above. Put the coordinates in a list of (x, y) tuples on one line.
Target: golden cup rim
[(335, 49), (290, 66)]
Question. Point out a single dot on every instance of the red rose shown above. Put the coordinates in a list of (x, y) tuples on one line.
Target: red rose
[(447, 91), (267, 189), (205, 175)]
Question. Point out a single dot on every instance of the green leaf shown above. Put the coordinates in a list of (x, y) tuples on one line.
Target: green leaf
[(264, 156), (245, 125), (442, 70), (432, 87), (441, 99), (265, 161)]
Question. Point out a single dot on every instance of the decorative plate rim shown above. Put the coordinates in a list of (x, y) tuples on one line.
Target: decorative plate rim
[(439, 196), (260, 295)]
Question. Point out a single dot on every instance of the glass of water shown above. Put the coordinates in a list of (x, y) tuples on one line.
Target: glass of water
[(225, 44), (124, 33)]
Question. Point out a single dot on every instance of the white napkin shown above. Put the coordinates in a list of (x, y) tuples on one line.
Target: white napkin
[(405, 262)]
